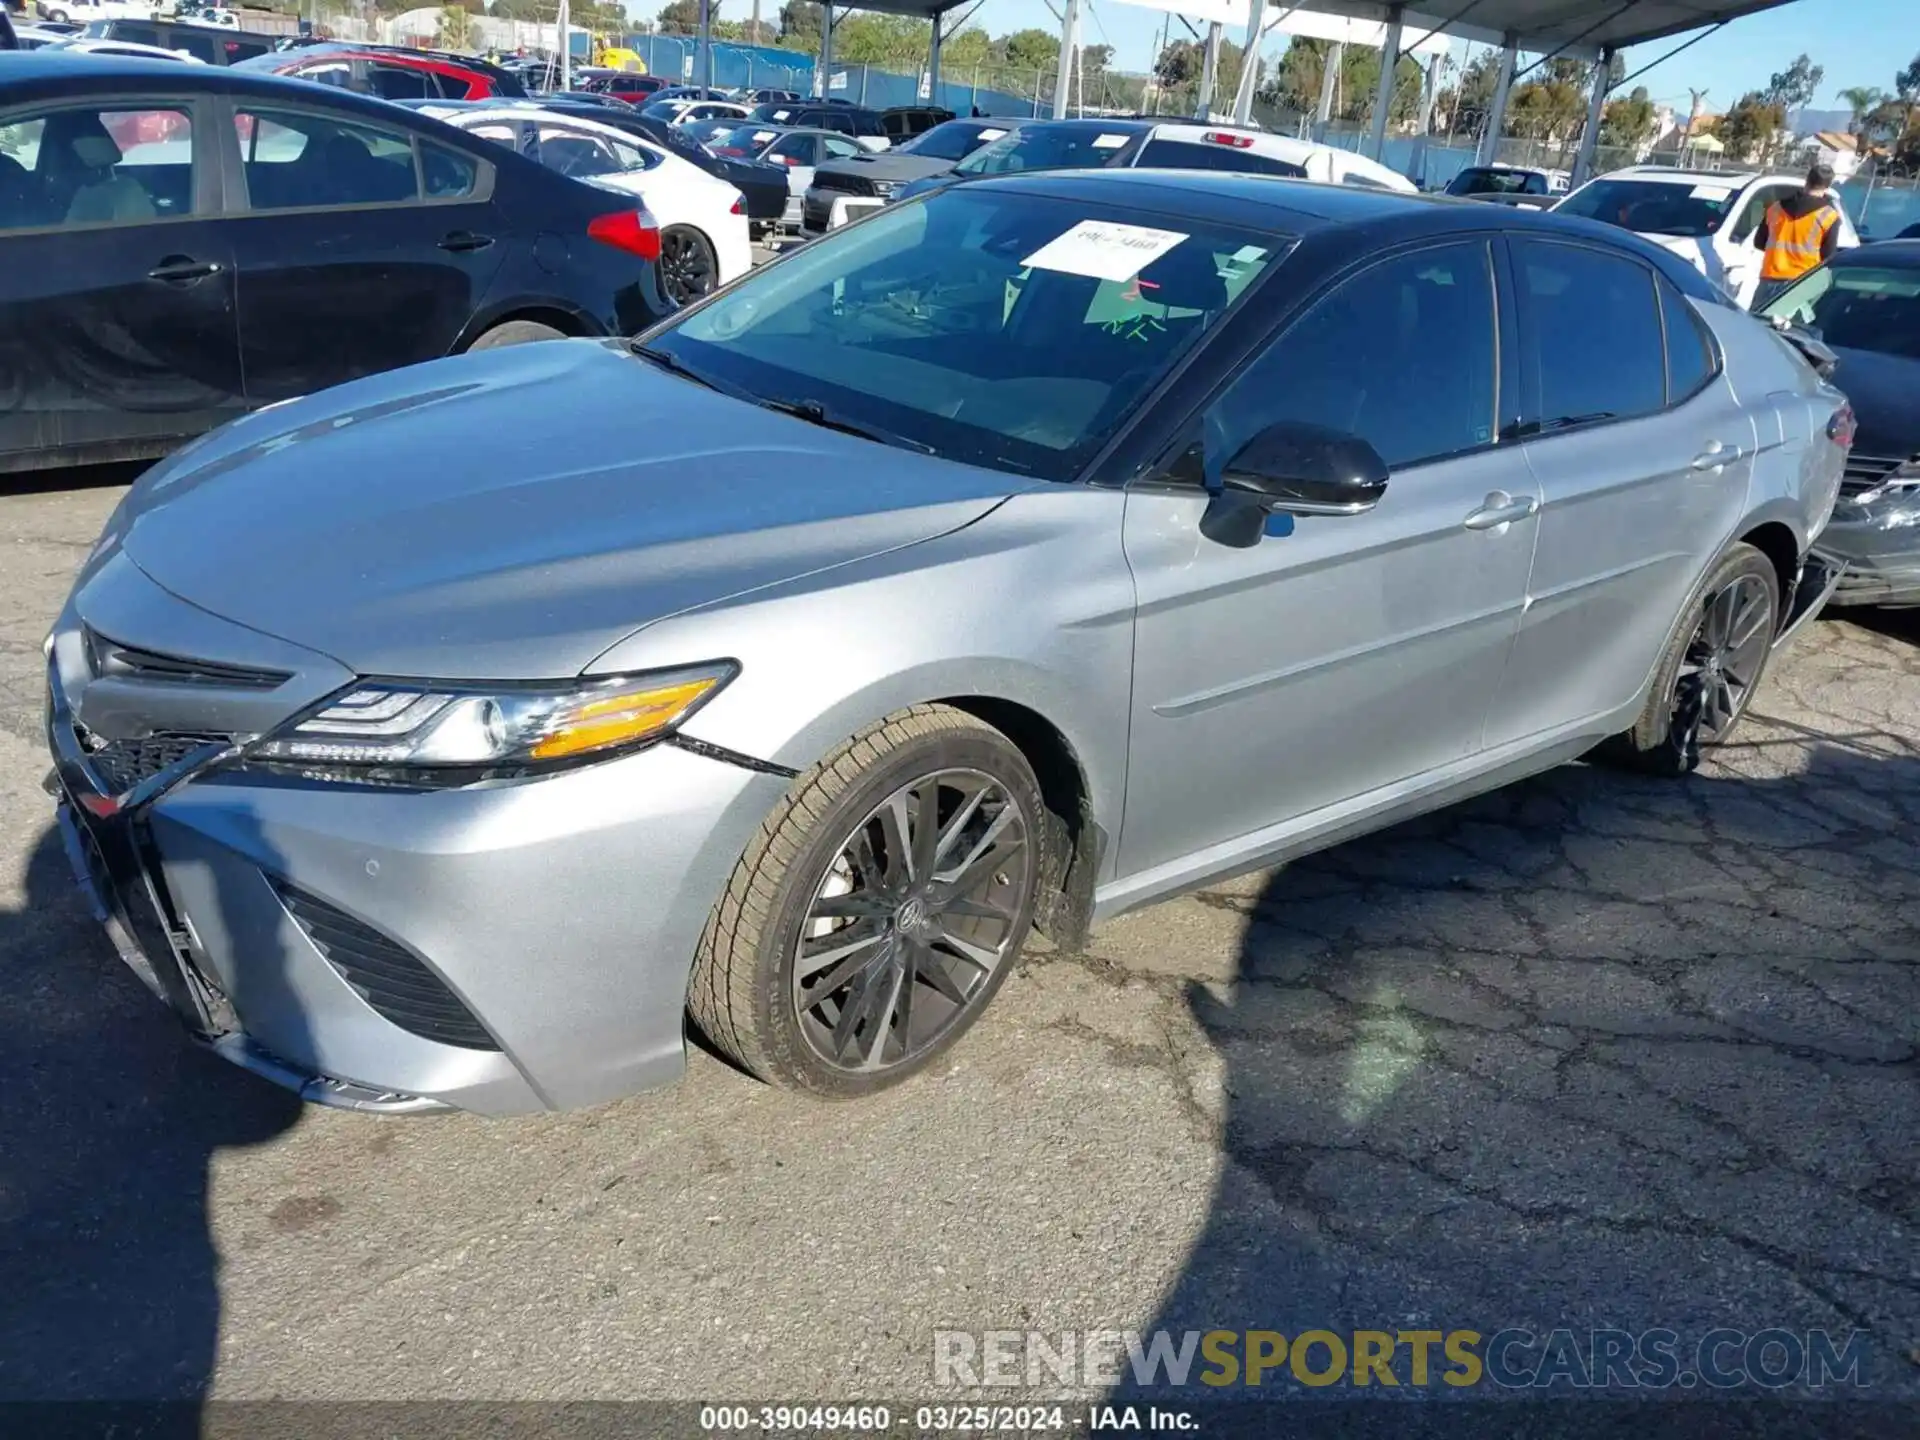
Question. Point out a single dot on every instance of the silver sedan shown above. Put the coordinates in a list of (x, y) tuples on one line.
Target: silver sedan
[(1015, 557)]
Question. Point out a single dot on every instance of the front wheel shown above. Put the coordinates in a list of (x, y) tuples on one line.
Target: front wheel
[(1711, 670), (878, 909)]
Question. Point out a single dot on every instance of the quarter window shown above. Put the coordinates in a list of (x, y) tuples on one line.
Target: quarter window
[(575, 153), (1596, 327), (295, 161), (1689, 357), (448, 174), (87, 166), (1402, 355)]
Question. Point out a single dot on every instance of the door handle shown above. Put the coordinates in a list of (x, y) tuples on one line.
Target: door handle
[(1500, 508), (1715, 454), (461, 241), (183, 270)]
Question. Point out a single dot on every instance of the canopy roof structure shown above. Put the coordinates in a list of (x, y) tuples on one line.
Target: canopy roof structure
[(1589, 30)]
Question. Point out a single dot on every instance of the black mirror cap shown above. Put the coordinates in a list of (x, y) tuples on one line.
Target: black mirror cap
[(1309, 470)]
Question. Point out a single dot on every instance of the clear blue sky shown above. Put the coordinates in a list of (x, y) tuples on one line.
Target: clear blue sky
[(1860, 42)]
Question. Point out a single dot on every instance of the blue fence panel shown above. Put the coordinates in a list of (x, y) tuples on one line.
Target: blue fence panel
[(880, 89), (743, 67)]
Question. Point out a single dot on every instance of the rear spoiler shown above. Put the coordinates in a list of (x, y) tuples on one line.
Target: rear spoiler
[(1811, 347)]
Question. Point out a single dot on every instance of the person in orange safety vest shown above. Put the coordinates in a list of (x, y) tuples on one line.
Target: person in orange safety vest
[(1798, 234)]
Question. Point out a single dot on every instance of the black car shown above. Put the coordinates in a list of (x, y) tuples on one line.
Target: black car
[(762, 187), (633, 89), (8, 40), (204, 43), (155, 281), (1864, 307), (933, 152), (866, 126)]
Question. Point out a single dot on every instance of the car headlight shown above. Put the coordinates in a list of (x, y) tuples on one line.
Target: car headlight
[(882, 188), (457, 733)]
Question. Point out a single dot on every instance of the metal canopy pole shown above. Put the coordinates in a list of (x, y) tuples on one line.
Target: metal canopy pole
[(1497, 112), (1209, 71), (1596, 111), (1249, 62), (1329, 78), (826, 51), (1389, 68), (1063, 81), (706, 43), (933, 62), (563, 43)]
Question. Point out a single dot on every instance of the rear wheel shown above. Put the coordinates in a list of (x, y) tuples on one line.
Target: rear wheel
[(688, 268), (878, 910), (1711, 669), (516, 332)]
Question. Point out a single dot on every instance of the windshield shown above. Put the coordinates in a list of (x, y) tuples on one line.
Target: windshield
[(745, 140), (1857, 307), (1047, 147), (1654, 207), (953, 141), (999, 329), (1476, 181)]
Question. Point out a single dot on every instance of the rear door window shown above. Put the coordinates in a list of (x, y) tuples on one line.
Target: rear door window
[(295, 160), (85, 165), (400, 82), (1596, 333)]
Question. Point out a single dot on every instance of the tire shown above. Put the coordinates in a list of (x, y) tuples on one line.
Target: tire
[(1687, 710), (688, 267), (516, 332), (829, 846)]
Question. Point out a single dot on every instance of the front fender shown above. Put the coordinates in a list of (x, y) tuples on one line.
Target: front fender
[(1032, 605)]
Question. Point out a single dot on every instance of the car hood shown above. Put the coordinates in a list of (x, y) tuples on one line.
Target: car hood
[(889, 167), (512, 513), (1885, 393)]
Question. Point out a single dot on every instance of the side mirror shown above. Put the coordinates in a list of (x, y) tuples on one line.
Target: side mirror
[(1308, 470)]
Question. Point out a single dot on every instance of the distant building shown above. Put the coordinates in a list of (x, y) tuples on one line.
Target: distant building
[(1829, 147)]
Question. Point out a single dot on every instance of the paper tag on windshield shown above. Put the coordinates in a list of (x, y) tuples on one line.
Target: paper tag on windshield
[(1104, 250), (1711, 192), (1108, 142), (986, 135), (762, 136), (1247, 254)]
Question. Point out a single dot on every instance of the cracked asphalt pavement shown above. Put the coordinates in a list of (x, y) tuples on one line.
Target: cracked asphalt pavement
[(1591, 1052)]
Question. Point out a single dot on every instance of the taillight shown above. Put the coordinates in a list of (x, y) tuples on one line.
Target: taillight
[(730, 150), (1842, 426), (629, 230), (739, 207), (1220, 137)]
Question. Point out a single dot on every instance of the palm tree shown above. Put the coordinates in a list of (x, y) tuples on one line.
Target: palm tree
[(1860, 99)]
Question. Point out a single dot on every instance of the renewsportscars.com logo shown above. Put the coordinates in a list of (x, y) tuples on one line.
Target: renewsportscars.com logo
[(1658, 1359)]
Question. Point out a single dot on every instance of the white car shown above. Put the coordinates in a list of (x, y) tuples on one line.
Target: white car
[(128, 49), (1707, 217), (82, 12), (704, 242)]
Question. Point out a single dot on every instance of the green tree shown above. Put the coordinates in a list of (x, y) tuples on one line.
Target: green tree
[(454, 31), (682, 17), (865, 38), (1031, 50), (801, 22), (1628, 124), (1862, 100), (1793, 88), (968, 49), (1750, 127)]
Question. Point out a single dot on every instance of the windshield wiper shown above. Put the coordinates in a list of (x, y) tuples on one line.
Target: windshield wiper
[(814, 413), (667, 360)]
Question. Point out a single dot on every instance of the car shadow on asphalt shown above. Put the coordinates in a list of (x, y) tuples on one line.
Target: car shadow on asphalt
[(1594, 1052), (108, 1127)]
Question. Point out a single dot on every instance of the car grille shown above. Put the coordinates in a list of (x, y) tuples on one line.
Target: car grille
[(844, 184), (1865, 473), (123, 764), (388, 976), (110, 657)]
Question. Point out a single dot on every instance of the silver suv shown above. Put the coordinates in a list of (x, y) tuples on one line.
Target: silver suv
[(1018, 556)]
